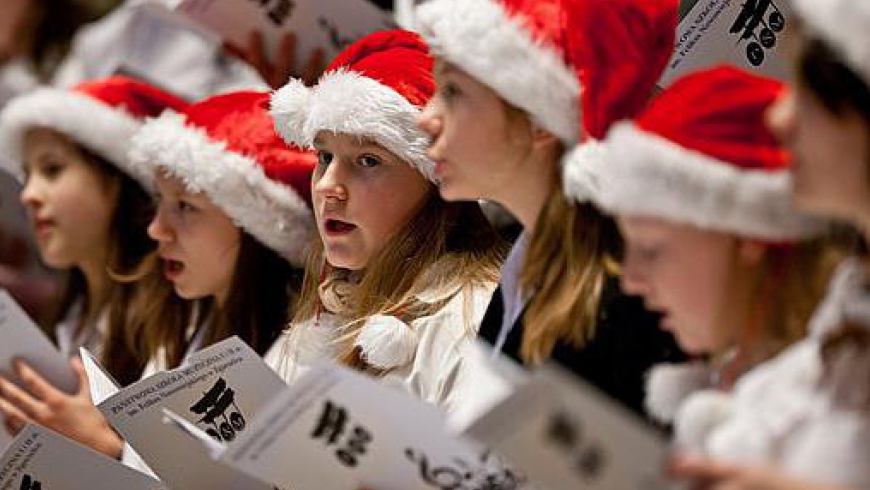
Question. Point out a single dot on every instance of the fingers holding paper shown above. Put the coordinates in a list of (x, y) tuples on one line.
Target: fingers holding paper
[(73, 415), (277, 72)]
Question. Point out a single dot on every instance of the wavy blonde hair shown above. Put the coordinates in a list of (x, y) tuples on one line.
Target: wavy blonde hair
[(567, 262), (445, 249)]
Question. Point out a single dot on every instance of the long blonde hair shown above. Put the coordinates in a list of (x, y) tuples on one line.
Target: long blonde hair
[(444, 249), (568, 259)]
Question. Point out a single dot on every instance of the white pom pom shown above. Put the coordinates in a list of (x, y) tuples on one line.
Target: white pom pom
[(289, 109), (668, 385), (387, 342), (700, 414), (580, 170)]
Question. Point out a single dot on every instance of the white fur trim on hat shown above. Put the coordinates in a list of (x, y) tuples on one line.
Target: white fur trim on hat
[(271, 212), (98, 127), (580, 170), (479, 37), (843, 23), (387, 342), (643, 174), (350, 103)]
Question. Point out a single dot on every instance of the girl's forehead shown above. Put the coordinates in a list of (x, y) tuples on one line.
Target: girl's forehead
[(328, 138), (168, 184)]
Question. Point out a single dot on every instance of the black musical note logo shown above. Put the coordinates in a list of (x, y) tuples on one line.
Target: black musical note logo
[(30, 483), (331, 426), (486, 474), (220, 415), (588, 457), (754, 23)]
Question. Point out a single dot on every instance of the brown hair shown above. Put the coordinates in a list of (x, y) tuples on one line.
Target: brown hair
[(837, 86), (795, 281), (445, 247), (567, 262), (128, 245), (263, 291)]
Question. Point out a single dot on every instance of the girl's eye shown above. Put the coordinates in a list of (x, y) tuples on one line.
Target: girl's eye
[(51, 170), (48, 168), (648, 254), (185, 207), (324, 157), (369, 161), (449, 91)]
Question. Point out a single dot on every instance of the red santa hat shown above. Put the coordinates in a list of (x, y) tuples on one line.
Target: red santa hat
[(844, 25), (101, 115), (701, 154), (573, 65), (374, 89), (226, 147)]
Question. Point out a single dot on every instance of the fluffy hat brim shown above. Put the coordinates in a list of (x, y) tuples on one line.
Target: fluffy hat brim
[(638, 173), (271, 212), (480, 38), (347, 102), (101, 129)]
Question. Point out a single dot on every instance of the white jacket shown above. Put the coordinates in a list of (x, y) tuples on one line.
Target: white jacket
[(427, 358), (785, 411)]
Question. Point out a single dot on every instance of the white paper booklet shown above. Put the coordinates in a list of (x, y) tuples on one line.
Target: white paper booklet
[(565, 435), (219, 390), (337, 429), (327, 24), (101, 383), (39, 459), (21, 338), (744, 33)]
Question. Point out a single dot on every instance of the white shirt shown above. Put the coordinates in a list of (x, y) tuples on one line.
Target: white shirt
[(513, 298)]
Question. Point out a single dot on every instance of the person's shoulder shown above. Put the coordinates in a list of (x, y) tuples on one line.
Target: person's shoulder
[(465, 308)]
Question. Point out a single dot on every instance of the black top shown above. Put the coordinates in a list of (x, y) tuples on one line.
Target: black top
[(626, 344), (384, 4)]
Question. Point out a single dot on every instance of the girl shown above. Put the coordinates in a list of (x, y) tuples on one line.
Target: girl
[(396, 282), (71, 146), (88, 213), (700, 188), (824, 436), (510, 76), (232, 221), (230, 226)]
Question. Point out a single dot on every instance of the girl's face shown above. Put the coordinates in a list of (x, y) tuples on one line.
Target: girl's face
[(478, 144), (69, 201), (700, 281), (831, 155), (198, 243), (363, 195)]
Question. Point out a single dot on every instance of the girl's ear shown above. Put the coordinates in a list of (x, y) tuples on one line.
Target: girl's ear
[(751, 252), (541, 137)]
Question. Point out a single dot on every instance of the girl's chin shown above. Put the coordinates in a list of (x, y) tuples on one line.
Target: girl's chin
[(343, 261)]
